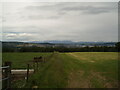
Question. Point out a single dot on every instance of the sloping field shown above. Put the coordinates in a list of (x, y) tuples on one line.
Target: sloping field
[(97, 69), (71, 70)]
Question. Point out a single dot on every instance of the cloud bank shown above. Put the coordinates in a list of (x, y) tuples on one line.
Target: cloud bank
[(76, 21)]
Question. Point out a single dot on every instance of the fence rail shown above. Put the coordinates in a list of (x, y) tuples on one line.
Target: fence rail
[(4, 67), (4, 79), (6, 75)]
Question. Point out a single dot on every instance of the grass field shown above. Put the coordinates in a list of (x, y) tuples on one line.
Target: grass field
[(20, 60), (69, 70)]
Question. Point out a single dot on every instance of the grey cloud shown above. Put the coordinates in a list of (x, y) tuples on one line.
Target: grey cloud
[(37, 17), (46, 7), (63, 8), (15, 36), (27, 29), (55, 8), (80, 22), (19, 30), (54, 17), (90, 9)]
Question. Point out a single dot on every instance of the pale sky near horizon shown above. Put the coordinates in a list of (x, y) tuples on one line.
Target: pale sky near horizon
[(75, 21)]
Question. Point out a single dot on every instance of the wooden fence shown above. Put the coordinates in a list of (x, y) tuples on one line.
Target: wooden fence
[(6, 71)]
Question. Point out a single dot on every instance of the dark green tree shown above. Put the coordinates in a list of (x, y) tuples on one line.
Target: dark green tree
[(118, 46)]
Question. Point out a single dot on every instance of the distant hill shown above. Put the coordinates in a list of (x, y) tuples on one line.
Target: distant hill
[(71, 42), (62, 46), (55, 42)]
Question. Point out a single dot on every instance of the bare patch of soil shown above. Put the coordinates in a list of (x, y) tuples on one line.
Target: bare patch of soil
[(92, 61), (80, 58), (103, 79), (77, 80)]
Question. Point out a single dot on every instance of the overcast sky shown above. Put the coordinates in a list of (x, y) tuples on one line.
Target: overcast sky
[(60, 21)]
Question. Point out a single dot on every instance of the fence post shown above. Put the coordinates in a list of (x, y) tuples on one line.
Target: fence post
[(34, 66), (27, 71), (37, 65), (8, 73)]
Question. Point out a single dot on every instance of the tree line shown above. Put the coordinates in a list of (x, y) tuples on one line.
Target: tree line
[(63, 49)]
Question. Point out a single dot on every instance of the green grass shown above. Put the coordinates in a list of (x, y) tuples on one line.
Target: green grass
[(101, 68), (71, 70), (20, 60)]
